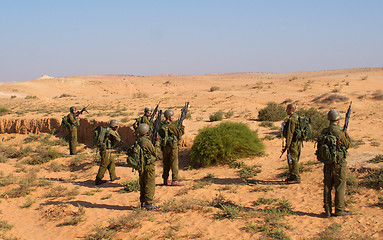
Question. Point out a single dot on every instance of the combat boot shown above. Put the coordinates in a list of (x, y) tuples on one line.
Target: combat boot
[(167, 182), (327, 213), (343, 213), (177, 183)]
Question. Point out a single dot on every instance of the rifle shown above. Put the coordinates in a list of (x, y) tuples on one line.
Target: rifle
[(289, 160), (347, 119), (82, 110), (184, 111), (156, 127), (154, 112)]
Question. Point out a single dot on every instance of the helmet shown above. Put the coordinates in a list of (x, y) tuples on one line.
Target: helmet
[(72, 108), (333, 115), (143, 129), (147, 109), (114, 123), (168, 113)]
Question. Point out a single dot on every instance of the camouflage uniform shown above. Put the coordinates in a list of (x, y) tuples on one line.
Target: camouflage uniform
[(143, 119), (170, 148), (294, 145), (107, 161), (74, 123), (335, 174), (147, 176)]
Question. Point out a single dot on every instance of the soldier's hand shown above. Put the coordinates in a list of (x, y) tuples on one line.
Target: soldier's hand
[(183, 123)]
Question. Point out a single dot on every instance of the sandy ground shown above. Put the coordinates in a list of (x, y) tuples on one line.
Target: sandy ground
[(124, 97)]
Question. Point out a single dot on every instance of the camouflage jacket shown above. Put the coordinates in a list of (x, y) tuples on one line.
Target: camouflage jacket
[(143, 119), (289, 129), (73, 120), (111, 138), (149, 151)]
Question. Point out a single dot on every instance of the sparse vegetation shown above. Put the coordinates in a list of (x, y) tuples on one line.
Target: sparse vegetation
[(356, 143), (201, 184), (43, 156), (213, 88), (377, 159), (28, 202), (77, 217), (228, 208), (224, 143), (217, 116), (229, 114), (248, 172), (30, 97), (273, 112), (3, 111), (131, 186), (182, 205), (374, 178), (377, 95), (140, 95), (123, 223)]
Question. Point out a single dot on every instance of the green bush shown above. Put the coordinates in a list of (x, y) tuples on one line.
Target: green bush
[(273, 112), (224, 143), (217, 116), (131, 186), (4, 111), (318, 121)]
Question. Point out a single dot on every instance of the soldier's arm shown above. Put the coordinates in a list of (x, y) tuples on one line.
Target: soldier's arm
[(72, 120), (173, 128), (344, 140), (116, 137), (149, 150), (290, 132)]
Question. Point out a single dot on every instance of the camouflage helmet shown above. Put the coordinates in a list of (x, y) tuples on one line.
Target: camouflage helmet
[(114, 123), (147, 109), (143, 129), (333, 115), (72, 108), (168, 113)]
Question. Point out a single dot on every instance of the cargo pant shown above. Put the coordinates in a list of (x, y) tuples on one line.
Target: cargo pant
[(72, 140), (107, 163), (295, 153), (334, 177), (170, 162), (147, 184)]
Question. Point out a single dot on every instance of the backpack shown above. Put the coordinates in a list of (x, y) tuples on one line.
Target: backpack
[(135, 157), (303, 128), (99, 136), (326, 148), (65, 122), (164, 134)]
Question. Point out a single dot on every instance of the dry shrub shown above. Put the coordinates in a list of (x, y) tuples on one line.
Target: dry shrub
[(334, 98), (377, 95), (58, 211)]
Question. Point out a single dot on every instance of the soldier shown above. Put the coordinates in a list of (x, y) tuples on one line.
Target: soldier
[(335, 173), (73, 124), (144, 119), (147, 175), (170, 135), (107, 162), (293, 145)]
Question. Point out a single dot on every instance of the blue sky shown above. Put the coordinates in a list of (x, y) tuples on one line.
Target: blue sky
[(65, 38)]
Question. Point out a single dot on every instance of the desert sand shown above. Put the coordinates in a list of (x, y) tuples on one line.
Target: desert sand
[(37, 106)]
